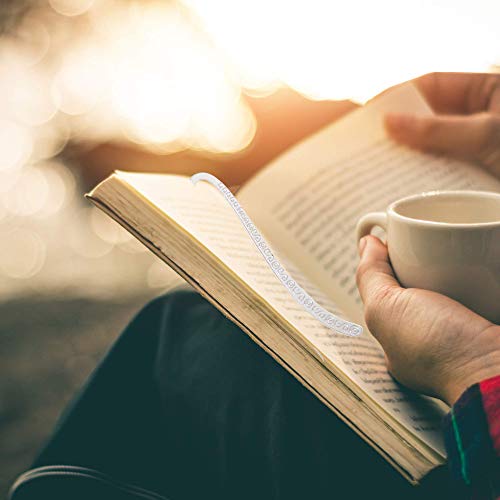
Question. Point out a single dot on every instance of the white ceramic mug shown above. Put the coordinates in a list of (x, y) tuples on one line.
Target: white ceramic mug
[(448, 242)]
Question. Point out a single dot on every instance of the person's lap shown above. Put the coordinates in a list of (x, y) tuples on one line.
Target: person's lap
[(188, 406)]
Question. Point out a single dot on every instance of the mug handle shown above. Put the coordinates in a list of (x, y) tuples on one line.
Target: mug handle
[(369, 221)]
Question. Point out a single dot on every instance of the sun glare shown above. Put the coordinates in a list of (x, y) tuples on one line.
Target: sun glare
[(338, 50), (172, 75)]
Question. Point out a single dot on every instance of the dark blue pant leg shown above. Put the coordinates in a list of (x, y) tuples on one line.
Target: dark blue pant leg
[(187, 406)]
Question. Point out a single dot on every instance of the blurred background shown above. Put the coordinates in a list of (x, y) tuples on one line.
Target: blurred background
[(87, 86)]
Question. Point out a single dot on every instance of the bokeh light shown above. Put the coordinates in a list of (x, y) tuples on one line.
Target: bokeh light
[(61, 187), (15, 145), (71, 7), (29, 194), (107, 229), (82, 238), (169, 76), (22, 253)]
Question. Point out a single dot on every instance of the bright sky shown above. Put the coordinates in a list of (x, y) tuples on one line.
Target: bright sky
[(170, 75), (354, 49)]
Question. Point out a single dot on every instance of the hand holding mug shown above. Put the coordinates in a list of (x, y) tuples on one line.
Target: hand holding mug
[(433, 344)]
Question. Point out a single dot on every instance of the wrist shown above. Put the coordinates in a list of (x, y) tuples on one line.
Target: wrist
[(484, 365)]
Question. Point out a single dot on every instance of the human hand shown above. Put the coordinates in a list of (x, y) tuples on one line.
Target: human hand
[(433, 344), (467, 124)]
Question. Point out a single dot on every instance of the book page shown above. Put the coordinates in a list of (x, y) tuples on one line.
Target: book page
[(205, 214), (309, 201)]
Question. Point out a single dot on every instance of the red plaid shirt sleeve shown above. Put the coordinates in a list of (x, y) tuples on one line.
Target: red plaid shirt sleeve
[(472, 439)]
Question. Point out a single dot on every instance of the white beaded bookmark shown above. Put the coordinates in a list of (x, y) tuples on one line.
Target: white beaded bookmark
[(328, 319)]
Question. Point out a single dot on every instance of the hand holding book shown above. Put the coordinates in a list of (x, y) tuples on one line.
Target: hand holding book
[(467, 125)]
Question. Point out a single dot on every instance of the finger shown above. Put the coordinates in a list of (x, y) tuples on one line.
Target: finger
[(461, 93), (476, 136), (374, 275)]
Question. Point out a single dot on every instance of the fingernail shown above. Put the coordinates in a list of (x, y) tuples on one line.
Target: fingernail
[(362, 245), (398, 122)]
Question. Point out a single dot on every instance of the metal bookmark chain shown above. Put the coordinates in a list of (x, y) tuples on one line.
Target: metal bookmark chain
[(328, 319)]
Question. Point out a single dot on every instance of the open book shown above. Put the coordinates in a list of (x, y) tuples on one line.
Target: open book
[(306, 204)]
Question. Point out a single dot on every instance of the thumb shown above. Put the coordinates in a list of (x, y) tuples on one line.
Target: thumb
[(376, 282), (374, 272), (474, 136)]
